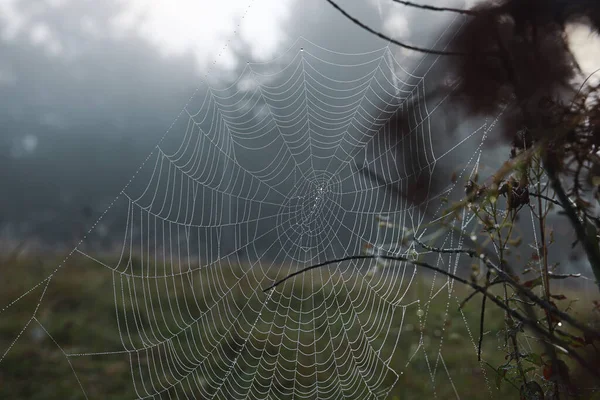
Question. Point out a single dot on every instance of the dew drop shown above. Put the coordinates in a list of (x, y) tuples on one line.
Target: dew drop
[(420, 312)]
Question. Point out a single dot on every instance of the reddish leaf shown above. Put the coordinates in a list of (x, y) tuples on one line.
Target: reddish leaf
[(579, 341), (533, 283), (547, 372)]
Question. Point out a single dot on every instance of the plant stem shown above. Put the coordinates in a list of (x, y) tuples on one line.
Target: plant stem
[(590, 247), (545, 276)]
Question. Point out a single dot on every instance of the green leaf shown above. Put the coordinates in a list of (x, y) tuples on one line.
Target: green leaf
[(535, 358)]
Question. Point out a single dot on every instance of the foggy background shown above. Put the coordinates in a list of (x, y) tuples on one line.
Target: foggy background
[(88, 89)]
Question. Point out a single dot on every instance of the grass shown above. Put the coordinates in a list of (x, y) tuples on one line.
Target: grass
[(74, 347)]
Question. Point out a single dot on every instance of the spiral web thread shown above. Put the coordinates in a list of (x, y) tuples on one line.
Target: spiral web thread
[(267, 179)]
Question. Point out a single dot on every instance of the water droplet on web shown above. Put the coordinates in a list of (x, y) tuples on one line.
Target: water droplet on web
[(301, 48), (420, 312), (473, 237)]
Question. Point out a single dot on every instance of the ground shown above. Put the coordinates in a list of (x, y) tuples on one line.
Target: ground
[(78, 315)]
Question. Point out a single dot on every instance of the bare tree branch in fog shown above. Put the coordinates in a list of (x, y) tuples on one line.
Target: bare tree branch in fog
[(434, 8), (391, 40)]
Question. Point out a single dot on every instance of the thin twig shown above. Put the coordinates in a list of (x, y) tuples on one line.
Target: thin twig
[(583, 84), (520, 289), (549, 199), (434, 8), (466, 300), (591, 248), (397, 43), (481, 327), (541, 216), (531, 323), (470, 296)]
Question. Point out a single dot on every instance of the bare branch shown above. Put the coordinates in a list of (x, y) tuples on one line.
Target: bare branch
[(520, 289), (434, 8), (529, 322), (470, 296), (591, 249), (397, 43), (549, 199), (481, 327)]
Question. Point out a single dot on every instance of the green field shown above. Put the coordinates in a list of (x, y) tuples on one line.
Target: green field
[(75, 346)]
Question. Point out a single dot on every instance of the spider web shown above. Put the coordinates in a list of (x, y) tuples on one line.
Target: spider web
[(267, 177)]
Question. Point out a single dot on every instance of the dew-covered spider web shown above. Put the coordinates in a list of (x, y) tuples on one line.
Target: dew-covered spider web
[(284, 168)]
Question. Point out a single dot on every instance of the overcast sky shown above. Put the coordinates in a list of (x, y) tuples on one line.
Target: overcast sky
[(76, 66), (88, 87), (210, 32), (203, 29)]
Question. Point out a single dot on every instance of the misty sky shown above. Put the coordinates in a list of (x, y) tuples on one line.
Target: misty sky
[(87, 87), (81, 62)]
